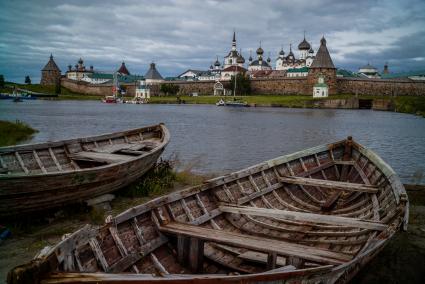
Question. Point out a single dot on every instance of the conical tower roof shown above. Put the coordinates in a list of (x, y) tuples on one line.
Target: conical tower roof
[(323, 58), (51, 65), (153, 73), (123, 69)]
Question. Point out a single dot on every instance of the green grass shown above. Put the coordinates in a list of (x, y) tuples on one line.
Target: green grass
[(415, 105), (12, 133), (65, 94), (404, 104)]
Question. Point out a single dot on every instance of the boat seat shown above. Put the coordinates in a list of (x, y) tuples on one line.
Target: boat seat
[(262, 244), (100, 157), (330, 184), (305, 217), (120, 147)]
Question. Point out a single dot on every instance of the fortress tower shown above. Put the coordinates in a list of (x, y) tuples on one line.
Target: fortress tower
[(50, 74), (322, 66)]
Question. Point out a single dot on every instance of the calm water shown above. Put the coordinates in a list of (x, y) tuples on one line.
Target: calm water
[(218, 140)]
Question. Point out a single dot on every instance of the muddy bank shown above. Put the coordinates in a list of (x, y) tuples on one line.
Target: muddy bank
[(403, 259)]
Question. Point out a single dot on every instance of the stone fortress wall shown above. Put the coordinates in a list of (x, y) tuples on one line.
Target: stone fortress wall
[(281, 86)]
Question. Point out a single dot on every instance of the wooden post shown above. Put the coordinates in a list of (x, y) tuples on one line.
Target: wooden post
[(294, 261), (196, 255), (182, 249), (271, 260)]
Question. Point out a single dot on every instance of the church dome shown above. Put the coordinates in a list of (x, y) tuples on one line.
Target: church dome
[(80, 61), (311, 50), (217, 63), (240, 59), (282, 52), (260, 51), (304, 45), (269, 59)]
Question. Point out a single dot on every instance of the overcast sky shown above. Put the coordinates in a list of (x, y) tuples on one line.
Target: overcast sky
[(182, 34)]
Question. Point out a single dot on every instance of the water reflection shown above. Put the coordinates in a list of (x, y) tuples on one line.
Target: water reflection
[(227, 139)]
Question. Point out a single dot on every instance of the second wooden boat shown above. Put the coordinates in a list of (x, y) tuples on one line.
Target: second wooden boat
[(41, 176), (316, 216)]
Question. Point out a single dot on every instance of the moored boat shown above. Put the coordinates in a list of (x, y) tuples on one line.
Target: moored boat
[(36, 177), (315, 216)]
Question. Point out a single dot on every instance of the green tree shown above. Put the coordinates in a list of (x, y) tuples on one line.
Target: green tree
[(169, 89), (57, 88), (27, 80), (243, 84), (1, 81)]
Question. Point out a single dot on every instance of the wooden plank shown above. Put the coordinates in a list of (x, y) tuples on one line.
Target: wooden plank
[(138, 232), (21, 163), (100, 157), (305, 217), (125, 262), (182, 249), (260, 257), (40, 164), (130, 259), (257, 243), (98, 254), (330, 184), (228, 193), (122, 249), (271, 260), (3, 167), (186, 209), (196, 254), (58, 165), (158, 265)]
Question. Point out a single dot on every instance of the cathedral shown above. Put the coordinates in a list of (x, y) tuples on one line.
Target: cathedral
[(290, 62), (286, 65), (259, 63), (234, 58)]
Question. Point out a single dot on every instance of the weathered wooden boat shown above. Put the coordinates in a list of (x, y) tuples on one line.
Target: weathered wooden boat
[(36, 177), (315, 216)]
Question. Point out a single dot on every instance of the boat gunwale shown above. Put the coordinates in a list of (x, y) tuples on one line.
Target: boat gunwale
[(165, 139)]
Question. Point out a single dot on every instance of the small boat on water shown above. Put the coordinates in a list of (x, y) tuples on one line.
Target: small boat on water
[(111, 100), (315, 216), (36, 177), (17, 96), (234, 103)]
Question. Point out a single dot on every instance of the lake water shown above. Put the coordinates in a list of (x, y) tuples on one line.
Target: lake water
[(220, 139)]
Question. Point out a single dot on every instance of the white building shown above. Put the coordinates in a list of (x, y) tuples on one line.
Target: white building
[(143, 92), (369, 71), (259, 63), (306, 57), (320, 89), (234, 57), (227, 73), (79, 72), (297, 72)]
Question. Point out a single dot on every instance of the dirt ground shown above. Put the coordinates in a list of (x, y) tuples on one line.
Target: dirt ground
[(401, 261)]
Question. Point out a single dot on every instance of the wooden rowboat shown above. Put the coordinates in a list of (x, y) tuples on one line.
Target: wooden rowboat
[(316, 216), (47, 175)]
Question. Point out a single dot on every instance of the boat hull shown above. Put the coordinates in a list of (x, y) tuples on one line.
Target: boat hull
[(20, 194), (269, 223)]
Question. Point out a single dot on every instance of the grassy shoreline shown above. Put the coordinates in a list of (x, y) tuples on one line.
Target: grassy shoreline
[(402, 104), (12, 133)]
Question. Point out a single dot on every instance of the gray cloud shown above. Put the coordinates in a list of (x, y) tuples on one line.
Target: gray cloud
[(180, 34)]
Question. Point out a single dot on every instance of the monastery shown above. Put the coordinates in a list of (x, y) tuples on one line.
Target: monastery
[(234, 63)]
